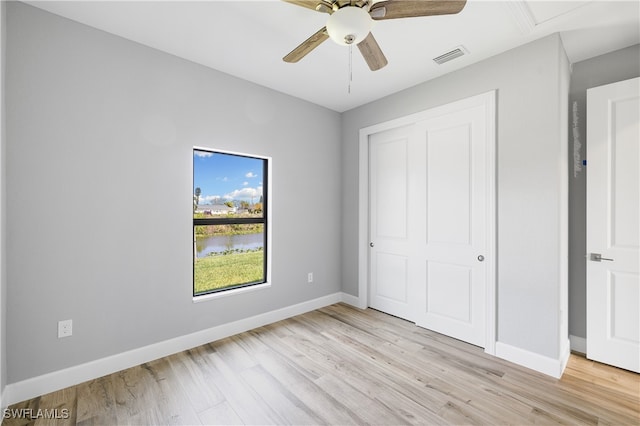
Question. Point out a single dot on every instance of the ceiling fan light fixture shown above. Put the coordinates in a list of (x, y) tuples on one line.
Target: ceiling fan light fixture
[(349, 25)]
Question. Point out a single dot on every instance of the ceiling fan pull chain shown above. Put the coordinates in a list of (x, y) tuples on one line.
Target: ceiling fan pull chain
[(350, 66)]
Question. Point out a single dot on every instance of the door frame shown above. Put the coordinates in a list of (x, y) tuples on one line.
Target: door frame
[(488, 101)]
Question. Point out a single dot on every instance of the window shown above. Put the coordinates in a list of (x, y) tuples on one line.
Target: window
[(229, 221)]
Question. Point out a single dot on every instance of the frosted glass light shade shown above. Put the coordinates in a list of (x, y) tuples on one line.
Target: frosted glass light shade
[(349, 25)]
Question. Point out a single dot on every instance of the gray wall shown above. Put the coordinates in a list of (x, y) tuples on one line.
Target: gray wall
[(532, 84), (3, 251), (100, 127), (615, 66)]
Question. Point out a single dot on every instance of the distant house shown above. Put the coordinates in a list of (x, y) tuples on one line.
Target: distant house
[(215, 209)]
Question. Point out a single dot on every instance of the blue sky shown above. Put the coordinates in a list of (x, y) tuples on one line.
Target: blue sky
[(224, 177)]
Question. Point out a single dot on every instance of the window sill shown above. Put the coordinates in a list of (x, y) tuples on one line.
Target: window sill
[(233, 292)]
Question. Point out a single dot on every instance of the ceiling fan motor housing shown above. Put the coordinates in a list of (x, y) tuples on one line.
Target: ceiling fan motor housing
[(349, 25)]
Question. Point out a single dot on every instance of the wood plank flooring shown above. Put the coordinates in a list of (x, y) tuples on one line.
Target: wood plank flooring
[(340, 366)]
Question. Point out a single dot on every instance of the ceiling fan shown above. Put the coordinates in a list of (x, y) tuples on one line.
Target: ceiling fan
[(350, 22)]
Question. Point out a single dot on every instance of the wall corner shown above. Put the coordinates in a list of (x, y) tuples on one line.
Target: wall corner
[(3, 280)]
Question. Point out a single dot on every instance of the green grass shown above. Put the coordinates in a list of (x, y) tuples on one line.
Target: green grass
[(218, 272)]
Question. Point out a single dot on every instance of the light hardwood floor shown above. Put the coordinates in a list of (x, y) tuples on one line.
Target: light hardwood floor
[(340, 365)]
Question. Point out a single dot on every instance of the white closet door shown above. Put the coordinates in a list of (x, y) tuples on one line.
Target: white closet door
[(452, 296), (428, 203), (391, 205)]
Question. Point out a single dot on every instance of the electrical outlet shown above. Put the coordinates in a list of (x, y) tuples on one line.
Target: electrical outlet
[(310, 277), (65, 328)]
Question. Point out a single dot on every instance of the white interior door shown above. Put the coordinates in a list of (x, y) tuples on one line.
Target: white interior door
[(613, 224), (428, 204)]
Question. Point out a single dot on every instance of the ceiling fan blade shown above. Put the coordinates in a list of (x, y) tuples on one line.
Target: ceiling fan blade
[(392, 9), (319, 5), (372, 53), (307, 46)]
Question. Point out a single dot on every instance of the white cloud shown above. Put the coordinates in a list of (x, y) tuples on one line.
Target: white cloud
[(202, 154), (245, 183), (251, 175), (209, 199), (248, 194)]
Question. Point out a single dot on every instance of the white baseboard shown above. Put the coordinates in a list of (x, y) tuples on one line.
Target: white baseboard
[(543, 364), (350, 300), (565, 353), (578, 344), (50, 382), (3, 406)]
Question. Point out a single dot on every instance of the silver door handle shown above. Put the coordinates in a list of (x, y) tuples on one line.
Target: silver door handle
[(597, 257)]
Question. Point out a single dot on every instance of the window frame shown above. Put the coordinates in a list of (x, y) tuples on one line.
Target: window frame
[(264, 220)]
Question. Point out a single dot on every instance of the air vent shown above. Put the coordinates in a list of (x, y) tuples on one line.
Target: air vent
[(451, 55)]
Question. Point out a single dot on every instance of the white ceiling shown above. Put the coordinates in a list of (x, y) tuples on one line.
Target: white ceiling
[(248, 39)]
